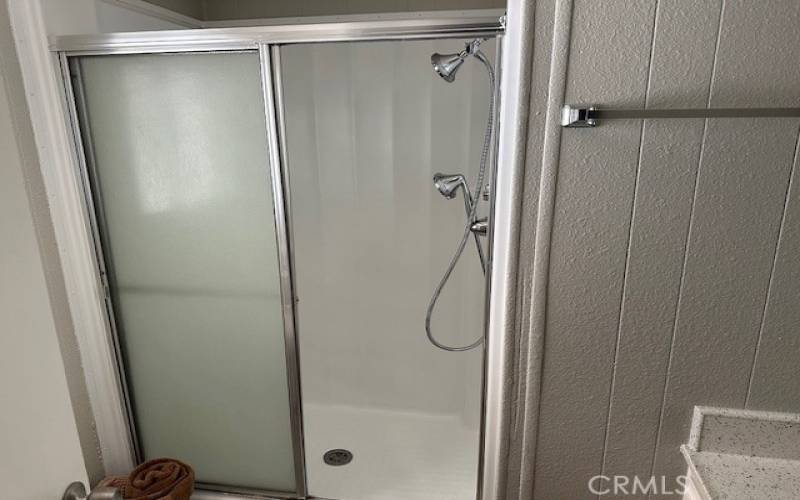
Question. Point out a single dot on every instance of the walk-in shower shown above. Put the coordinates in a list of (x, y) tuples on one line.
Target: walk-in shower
[(446, 66), (266, 237), (367, 127)]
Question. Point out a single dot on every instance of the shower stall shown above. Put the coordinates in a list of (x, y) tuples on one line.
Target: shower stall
[(267, 237)]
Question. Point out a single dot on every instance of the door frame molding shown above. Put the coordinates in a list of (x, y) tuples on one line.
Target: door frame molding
[(47, 102), (49, 105)]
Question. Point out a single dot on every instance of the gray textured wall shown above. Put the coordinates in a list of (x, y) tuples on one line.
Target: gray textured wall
[(674, 272)]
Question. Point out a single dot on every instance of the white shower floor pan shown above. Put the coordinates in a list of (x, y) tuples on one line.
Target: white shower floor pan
[(396, 455)]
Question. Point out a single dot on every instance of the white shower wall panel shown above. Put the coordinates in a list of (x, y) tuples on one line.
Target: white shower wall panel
[(367, 126)]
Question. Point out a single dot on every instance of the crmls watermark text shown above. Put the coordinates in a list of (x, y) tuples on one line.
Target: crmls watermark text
[(634, 485)]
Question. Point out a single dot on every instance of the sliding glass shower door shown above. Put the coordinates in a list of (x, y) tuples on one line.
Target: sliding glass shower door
[(176, 148), (206, 269)]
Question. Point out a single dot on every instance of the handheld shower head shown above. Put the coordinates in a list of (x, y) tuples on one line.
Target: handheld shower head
[(448, 184)]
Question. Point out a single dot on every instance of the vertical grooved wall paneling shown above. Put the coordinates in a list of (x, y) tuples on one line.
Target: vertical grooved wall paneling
[(674, 273), (739, 205), (608, 63), (684, 41)]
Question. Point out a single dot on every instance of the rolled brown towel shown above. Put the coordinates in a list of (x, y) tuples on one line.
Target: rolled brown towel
[(159, 479)]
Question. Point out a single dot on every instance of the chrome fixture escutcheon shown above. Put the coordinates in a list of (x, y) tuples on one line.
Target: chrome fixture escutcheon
[(480, 226), (77, 491)]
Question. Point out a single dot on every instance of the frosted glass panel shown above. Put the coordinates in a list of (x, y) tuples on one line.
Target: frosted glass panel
[(367, 126), (182, 182)]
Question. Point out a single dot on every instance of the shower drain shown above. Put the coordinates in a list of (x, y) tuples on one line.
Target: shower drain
[(337, 457)]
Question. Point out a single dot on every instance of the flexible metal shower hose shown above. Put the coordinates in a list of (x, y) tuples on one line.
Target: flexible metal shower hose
[(487, 144)]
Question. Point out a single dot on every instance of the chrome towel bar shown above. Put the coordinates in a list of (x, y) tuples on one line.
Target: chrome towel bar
[(588, 116)]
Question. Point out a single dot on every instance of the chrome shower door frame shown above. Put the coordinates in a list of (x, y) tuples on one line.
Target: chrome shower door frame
[(123, 451), (96, 221)]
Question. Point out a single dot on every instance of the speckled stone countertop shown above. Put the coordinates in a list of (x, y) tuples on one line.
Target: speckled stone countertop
[(744, 455), (736, 477)]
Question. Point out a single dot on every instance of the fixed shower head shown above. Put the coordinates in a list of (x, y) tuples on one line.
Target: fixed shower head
[(448, 184), (446, 65)]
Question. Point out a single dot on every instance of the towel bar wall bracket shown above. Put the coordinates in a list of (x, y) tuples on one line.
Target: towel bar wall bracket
[(574, 116), (577, 117)]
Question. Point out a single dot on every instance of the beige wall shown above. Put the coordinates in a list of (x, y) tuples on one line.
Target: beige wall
[(47, 251), (191, 8), (223, 10), (674, 269), (85, 16), (217, 10), (96, 16), (41, 450)]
